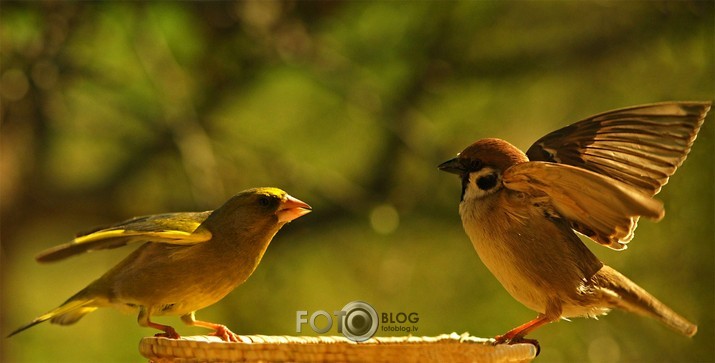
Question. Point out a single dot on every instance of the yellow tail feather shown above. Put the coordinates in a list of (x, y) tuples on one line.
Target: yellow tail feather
[(67, 313)]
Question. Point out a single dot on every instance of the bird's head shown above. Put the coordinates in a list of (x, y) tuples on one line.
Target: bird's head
[(259, 207), (481, 164)]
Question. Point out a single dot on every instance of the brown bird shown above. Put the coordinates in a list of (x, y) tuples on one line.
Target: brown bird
[(187, 262), (596, 177)]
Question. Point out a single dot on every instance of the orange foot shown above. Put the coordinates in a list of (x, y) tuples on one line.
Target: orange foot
[(226, 335)]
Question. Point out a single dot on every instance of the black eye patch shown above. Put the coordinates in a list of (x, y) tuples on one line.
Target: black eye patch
[(487, 182)]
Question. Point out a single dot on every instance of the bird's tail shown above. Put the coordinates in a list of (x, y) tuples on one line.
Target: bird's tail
[(68, 313), (635, 299)]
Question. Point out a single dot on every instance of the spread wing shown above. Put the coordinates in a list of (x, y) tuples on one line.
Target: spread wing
[(605, 210), (641, 146), (171, 228)]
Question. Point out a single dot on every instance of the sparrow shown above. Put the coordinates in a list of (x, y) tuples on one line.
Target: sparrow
[(187, 261), (596, 177)]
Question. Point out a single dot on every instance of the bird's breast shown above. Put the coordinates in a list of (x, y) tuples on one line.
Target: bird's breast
[(535, 256), (496, 235)]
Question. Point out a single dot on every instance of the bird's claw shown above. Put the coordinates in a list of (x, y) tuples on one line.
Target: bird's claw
[(505, 339), (227, 335), (168, 333)]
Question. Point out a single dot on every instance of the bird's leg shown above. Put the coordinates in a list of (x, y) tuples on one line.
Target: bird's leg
[(552, 313), (143, 320), (220, 330), (517, 334)]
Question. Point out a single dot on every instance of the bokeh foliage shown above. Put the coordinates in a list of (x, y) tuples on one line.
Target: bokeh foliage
[(116, 109)]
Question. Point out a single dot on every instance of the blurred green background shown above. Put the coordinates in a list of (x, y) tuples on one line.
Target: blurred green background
[(117, 109)]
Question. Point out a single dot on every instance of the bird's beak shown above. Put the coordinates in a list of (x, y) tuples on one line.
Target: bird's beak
[(292, 208), (453, 166)]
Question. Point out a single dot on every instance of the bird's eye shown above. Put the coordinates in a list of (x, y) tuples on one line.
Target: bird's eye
[(264, 201), (475, 165)]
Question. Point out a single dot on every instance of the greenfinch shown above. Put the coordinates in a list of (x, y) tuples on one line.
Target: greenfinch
[(187, 261)]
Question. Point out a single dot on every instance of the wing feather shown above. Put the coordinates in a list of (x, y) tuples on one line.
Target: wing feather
[(171, 228), (641, 146), (605, 210)]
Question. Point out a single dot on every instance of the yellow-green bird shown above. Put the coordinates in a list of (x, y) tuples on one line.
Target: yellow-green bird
[(187, 262)]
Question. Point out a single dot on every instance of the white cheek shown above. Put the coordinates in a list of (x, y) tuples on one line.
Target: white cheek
[(473, 191)]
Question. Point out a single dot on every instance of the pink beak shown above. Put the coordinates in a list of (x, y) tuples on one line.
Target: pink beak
[(292, 208)]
